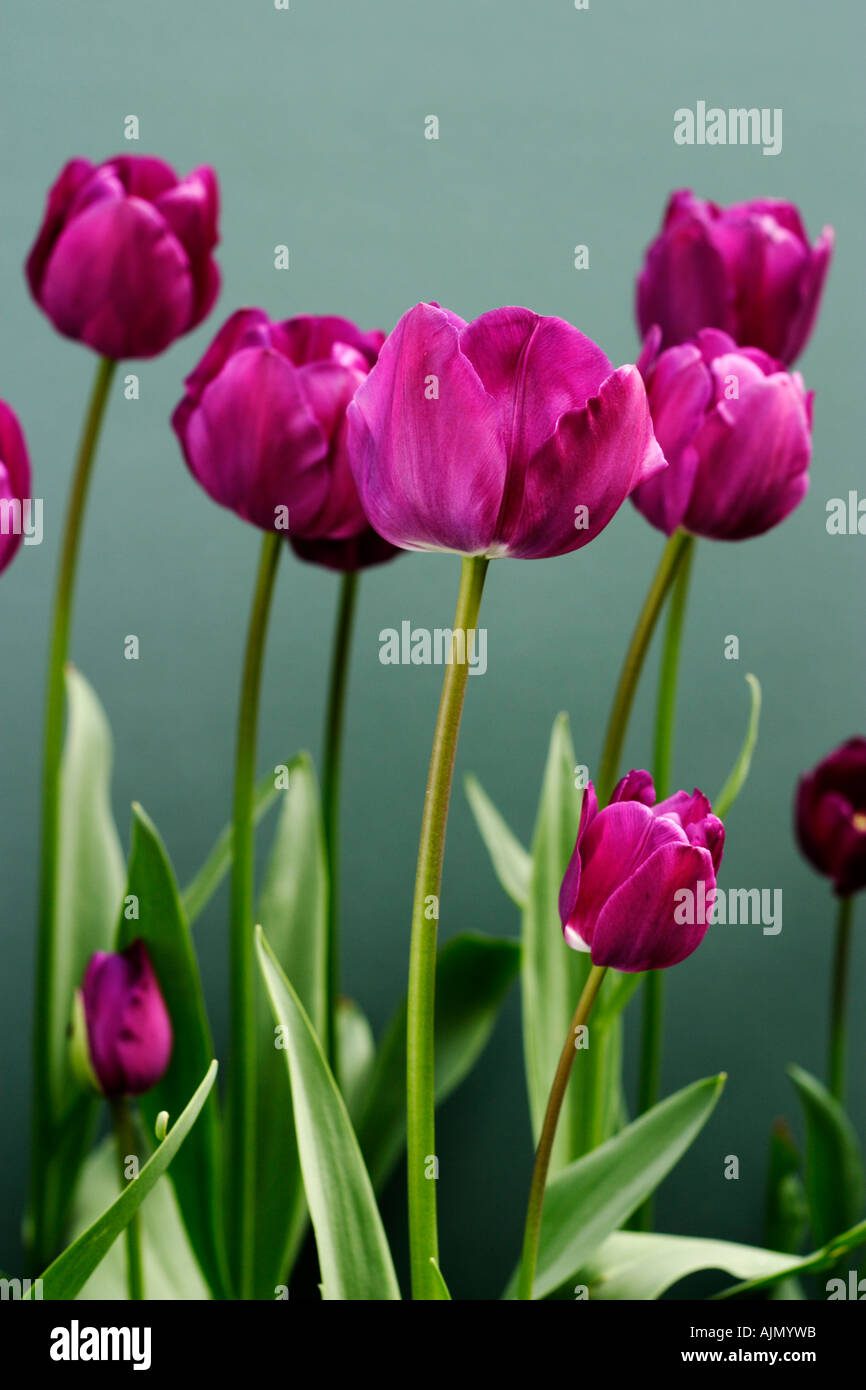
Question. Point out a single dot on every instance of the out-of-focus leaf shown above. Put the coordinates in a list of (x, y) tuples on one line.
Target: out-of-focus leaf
[(834, 1164), (356, 1051), (631, 1265), (511, 863)]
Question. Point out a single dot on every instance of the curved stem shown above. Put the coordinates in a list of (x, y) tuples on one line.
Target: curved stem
[(242, 1057), (420, 1097), (633, 664), (124, 1133), (652, 1023), (838, 999), (532, 1230), (331, 796), (45, 1223)]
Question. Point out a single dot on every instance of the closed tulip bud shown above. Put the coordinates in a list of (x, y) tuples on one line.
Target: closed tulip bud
[(619, 896), (123, 259), (263, 429), (830, 816), (511, 435), (747, 269), (126, 1039), (736, 430), (14, 484)]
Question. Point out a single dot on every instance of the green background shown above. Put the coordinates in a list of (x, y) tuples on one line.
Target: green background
[(556, 129)]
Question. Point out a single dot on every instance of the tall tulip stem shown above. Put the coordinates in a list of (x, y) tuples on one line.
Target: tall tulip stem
[(535, 1206), (839, 999), (420, 1095), (652, 1023), (331, 795), (46, 1218), (124, 1133), (664, 577), (242, 1061)]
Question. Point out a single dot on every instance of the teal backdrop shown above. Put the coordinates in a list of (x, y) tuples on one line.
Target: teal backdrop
[(556, 129)]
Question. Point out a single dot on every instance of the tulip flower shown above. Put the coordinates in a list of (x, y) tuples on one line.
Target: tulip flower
[(618, 898), (511, 435), (748, 269), (263, 429), (831, 816), (128, 1030), (830, 821), (123, 259), (14, 484), (735, 428)]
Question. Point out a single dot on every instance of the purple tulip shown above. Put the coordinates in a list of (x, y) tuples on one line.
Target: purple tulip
[(831, 816), (735, 428), (129, 1033), (747, 269), (14, 484), (511, 435), (263, 429), (123, 259), (631, 866)]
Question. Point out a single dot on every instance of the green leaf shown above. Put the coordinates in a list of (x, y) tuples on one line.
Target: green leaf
[(590, 1198), (473, 976), (161, 924), (820, 1261), (631, 1265), (66, 1277), (354, 1258), (356, 1051), (201, 889), (834, 1165), (786, 1208), (444, 1295), (511, 863), (293, 915), (90, 877), (740, 771), (615, 994), (170, 1268)]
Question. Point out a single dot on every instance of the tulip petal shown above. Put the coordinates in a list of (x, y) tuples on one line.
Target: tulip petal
[(683, 285), (619, 839), (119, 280), (191, 209), (596, 457), (15, 482), (425, 441), (635, 929)]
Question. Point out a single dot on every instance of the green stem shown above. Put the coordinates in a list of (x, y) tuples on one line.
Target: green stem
[(45, 1229), (331, 796), (124, 1132), (420, 1097), (242, 1057), (652, 1024), (535, 1205), (838, 999), (633, 664)]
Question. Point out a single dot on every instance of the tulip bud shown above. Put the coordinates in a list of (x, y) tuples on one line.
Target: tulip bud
[(123, 259), (618, 898), (747, 269), (511, 435), (263, 429), (14, 484), (830, 815), (735, 428), (122, 1036)]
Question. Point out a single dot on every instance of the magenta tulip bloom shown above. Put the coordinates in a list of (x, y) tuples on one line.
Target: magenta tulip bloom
[(511, 435), (747, 269), (129, 1032), (831, 816), (14, 484), (263, 429), (632, 866), (123, 259), (735, 428)]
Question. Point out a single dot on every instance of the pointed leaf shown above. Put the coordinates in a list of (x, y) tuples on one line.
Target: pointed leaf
[(834, 1164), (68, 1274), (354, 1258), (632, 1265), (511, 863), (161, 925), (740, 771)]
